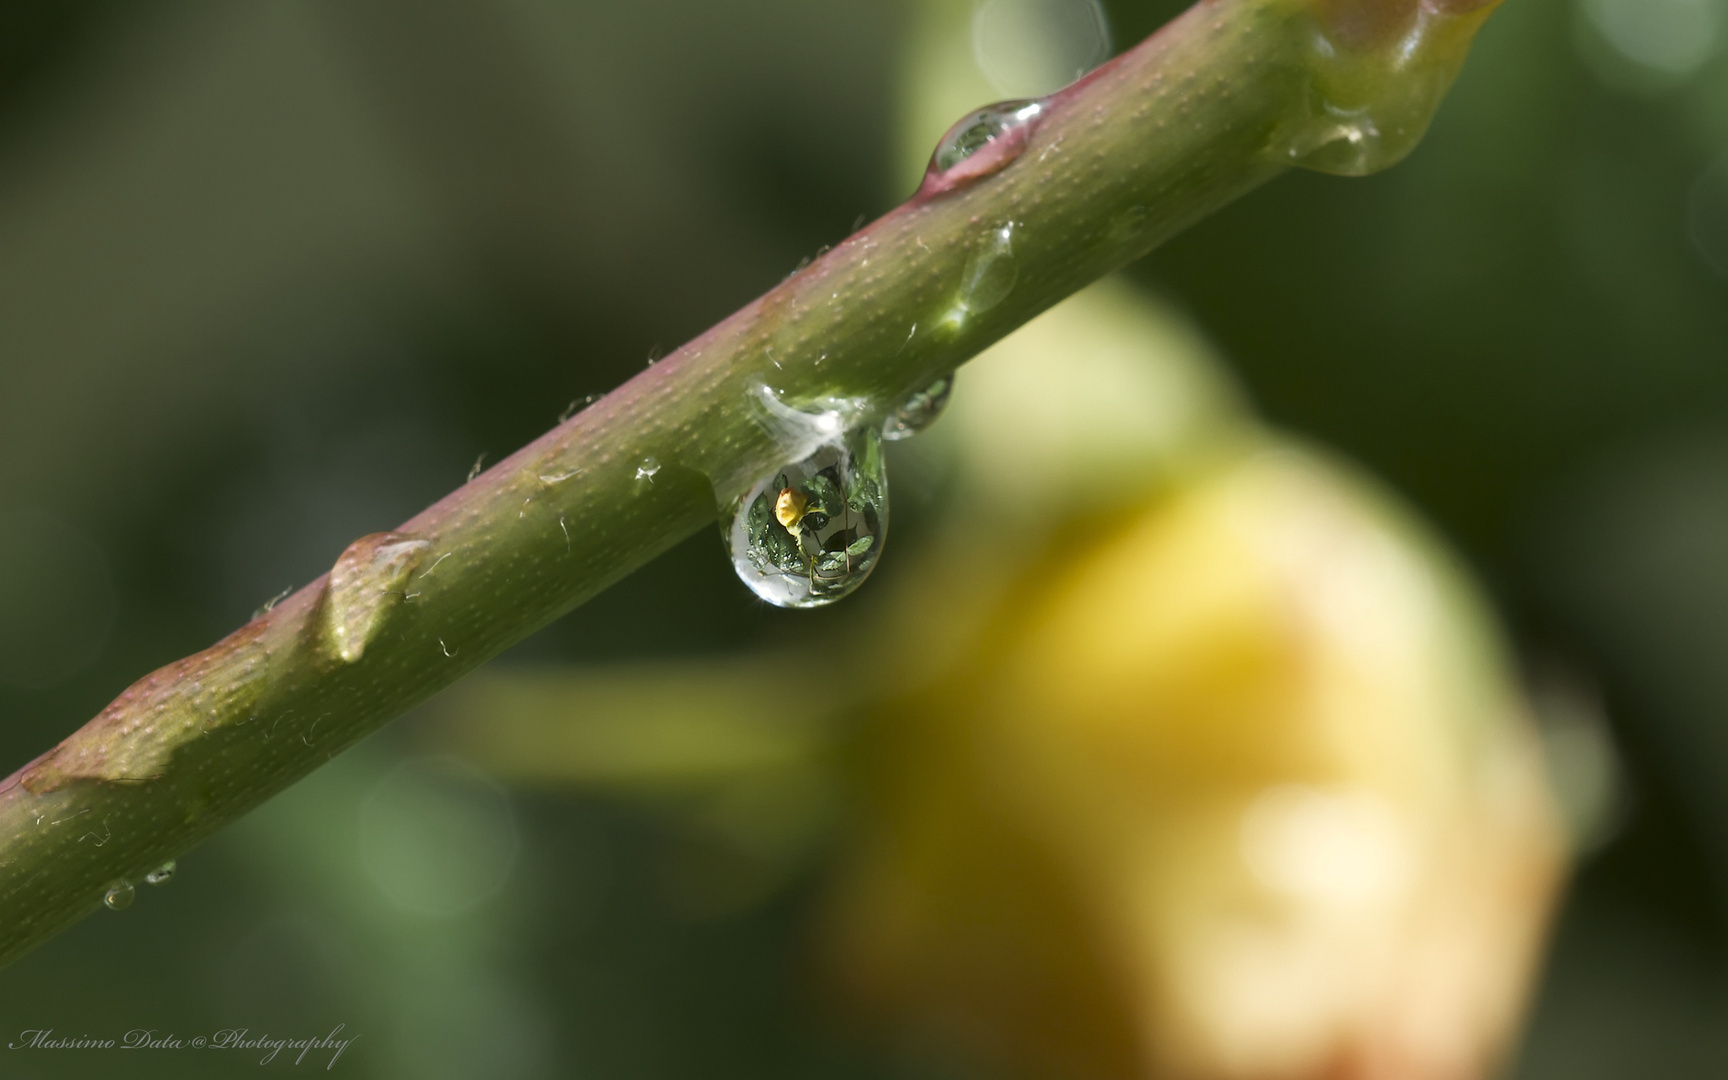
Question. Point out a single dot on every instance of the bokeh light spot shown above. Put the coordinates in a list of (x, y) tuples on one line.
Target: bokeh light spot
[(437, 837)]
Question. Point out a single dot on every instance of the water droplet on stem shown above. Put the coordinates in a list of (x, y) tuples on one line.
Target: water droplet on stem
[(119, 896), (1367, 103), (982, 143), (811, 532), (988, 277), (919, 411), (162, 874)]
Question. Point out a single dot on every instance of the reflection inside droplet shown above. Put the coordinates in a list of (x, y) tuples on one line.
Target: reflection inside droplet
[(119, 896), (983, 142), (810, 532)]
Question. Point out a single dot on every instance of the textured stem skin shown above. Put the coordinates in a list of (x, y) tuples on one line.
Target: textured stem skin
[(1155, 140)]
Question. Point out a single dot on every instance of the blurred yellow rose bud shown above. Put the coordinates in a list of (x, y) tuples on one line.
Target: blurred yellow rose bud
[(1224, 779)]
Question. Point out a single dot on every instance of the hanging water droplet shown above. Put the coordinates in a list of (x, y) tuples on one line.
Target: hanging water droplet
[(982, 143), (1336, 140), (810, 533), (919, 411), (162, 874), (988, 277), (645, 471), (119, 896), (364, 581), (1367, 103)]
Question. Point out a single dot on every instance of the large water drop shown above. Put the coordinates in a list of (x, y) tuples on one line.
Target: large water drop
[(119, 896), (982, 143), (919, 411), (1367, 103), (810, 532)]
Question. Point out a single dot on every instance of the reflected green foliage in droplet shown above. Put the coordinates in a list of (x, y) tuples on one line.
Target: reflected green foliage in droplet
[(979, 129), (810, 533)]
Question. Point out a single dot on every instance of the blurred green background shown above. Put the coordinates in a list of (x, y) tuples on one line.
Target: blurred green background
[(272, 275)]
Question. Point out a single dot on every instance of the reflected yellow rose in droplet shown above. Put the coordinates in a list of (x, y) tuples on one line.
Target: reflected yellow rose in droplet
[(1229, 784)]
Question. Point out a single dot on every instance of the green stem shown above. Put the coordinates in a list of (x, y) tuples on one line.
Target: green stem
[(1202, 112)]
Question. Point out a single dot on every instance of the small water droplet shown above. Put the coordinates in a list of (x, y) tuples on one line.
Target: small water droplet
[(810, 532), (119, 896), (162, 874), (649, 467), (919, 411), (982, 143), (988, 277), (362, 584)]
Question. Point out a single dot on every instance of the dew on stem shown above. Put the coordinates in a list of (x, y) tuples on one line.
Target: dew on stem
[(811, 531), (119, 895), (983, 142), (987, 279), (919, 411), (1371, 90), (162, 874)]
